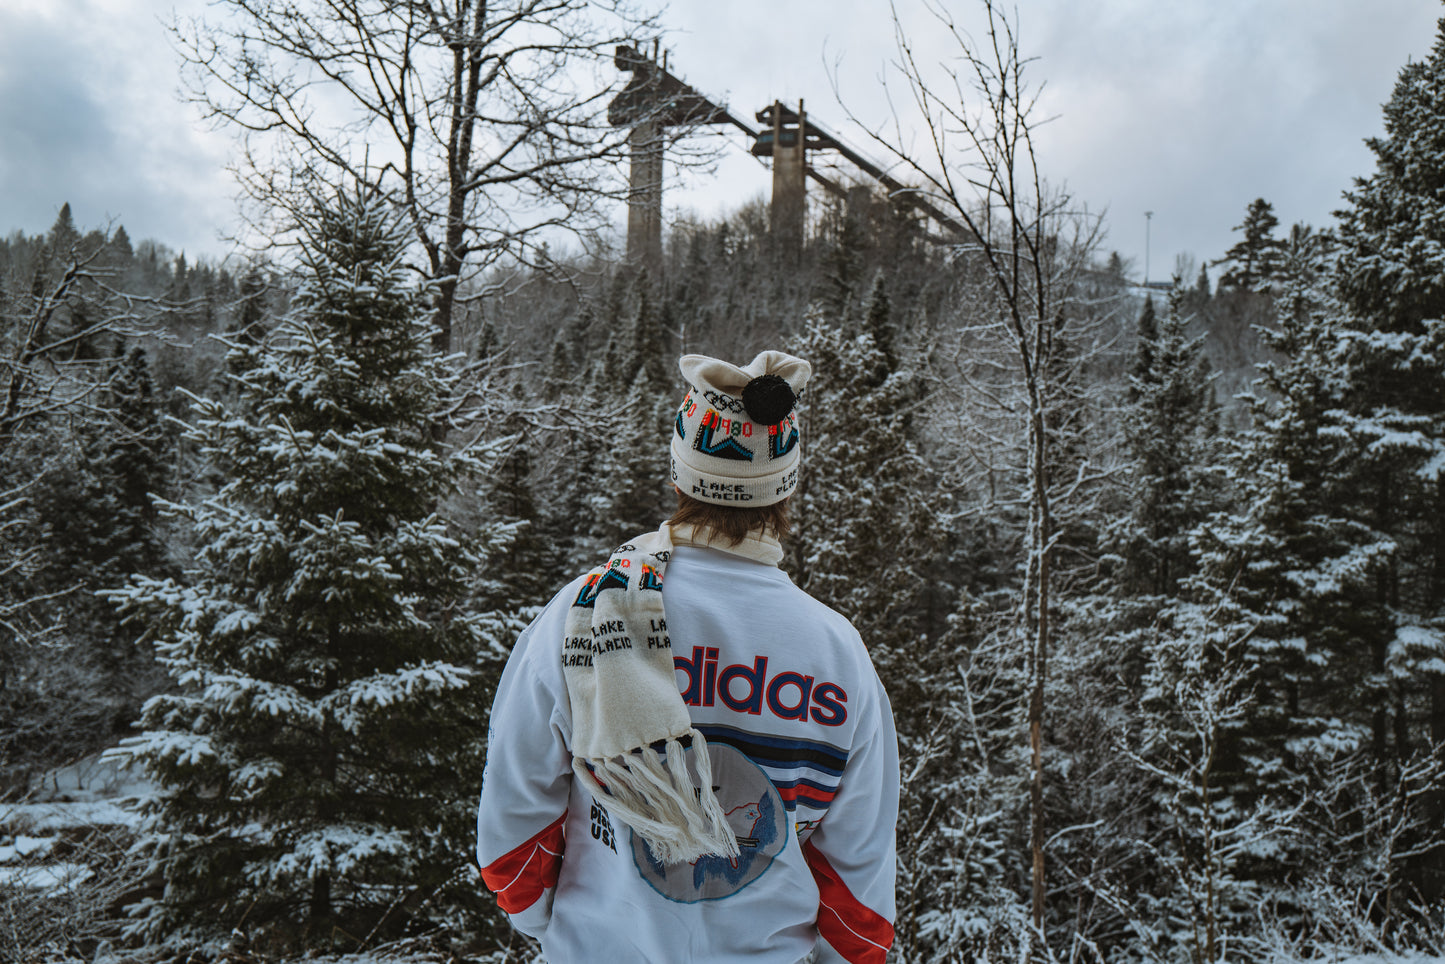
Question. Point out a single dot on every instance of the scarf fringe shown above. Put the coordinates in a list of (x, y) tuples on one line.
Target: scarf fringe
[(654, 794)]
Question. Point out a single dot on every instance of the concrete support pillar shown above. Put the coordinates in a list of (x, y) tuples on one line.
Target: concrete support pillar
[(644, 198), (790, 200)]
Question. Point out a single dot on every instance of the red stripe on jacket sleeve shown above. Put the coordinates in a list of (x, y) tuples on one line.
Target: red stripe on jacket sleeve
[(519, 876), (854, 930)]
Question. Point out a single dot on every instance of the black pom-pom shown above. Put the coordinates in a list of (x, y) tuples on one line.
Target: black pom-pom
[(768, 399)]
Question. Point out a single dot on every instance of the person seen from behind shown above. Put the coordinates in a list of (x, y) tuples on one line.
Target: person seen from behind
[(691, 759)]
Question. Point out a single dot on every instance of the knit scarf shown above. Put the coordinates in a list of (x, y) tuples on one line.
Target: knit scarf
[(630, 728)]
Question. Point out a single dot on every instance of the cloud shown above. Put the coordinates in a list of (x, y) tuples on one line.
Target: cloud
[(54, 134), (88, 115), (1193, 110), (1190, 110)]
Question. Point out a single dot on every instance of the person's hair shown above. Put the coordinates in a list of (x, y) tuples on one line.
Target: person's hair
[(732, 524)]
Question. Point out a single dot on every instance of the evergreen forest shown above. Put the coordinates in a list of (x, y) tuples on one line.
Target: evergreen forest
[(1154, 576)]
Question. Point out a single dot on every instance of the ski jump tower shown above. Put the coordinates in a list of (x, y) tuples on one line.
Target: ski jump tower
[(787, 137), (654, 100), (651, 102)]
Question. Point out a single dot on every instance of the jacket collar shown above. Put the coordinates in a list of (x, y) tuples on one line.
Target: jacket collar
[(758, 546)]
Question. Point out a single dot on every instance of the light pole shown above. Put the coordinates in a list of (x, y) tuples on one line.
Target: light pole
[(1148, 220)]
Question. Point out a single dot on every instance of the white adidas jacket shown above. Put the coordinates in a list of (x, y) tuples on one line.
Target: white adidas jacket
[(805, 761)]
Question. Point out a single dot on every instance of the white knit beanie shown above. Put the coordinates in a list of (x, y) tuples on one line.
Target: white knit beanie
[(737, 434)]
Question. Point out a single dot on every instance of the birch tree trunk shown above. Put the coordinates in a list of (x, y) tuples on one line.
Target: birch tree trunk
[(1020, 245)]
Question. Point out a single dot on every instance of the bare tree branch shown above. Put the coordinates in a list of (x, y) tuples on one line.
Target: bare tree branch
[(485, 119)]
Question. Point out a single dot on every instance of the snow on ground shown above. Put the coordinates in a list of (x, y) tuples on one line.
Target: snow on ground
[(21, 847), (42, 818), (64, 803), (45, 877), (89, 779)]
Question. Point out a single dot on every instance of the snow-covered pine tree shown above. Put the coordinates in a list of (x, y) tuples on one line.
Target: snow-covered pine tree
[(65, 675), (1197, 850), (649, 355), (963, 821), (508, 498), (641, 493), (868, 541), (560, 361), (1146, 333), (865, 482), (1116, 640), (98, 526), (621, 442), (1256, 260), (251, 308), (63, 234), (842, 260), (318, 760), (560, 472), (133, 453), (1390, 277), (1171, 426), (1292, 573)]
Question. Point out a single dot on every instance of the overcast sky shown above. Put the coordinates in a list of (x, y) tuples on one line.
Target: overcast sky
[(1187, 108)]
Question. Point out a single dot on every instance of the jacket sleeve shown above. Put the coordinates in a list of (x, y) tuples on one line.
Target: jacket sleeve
[(526, 782), (852, 854)]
